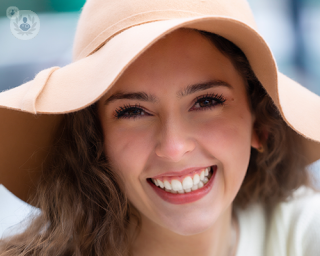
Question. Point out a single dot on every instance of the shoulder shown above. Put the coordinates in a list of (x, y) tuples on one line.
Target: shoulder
[(294, 226), (291, 229), (252, 227)]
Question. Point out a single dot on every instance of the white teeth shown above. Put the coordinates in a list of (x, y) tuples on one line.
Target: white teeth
[(187, 183), (155, 182), (160, 183), (167, 185), (195, 187), (202, 175), (196, 179), (176, 185), (206, 172)]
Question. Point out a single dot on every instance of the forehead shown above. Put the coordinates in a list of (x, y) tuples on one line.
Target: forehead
[(180, 58)]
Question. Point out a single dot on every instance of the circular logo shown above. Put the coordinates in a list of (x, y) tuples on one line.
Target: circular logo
[(12, 12), (26, 25)]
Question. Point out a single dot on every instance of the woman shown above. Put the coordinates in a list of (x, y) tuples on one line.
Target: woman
[(171, 137)]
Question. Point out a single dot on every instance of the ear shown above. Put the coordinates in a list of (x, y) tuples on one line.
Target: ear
[(255, 141)]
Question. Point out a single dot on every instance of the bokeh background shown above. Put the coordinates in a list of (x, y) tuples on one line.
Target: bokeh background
[(290, 27)]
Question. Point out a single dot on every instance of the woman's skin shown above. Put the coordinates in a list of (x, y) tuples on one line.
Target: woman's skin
[(173, 131)]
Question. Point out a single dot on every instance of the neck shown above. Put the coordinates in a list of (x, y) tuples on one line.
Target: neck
[(219, 239)]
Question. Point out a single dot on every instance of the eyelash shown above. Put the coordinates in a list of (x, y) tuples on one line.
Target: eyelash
[(122, 111)]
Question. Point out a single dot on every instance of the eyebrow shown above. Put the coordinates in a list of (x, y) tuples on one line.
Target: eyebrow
[(190, 89)]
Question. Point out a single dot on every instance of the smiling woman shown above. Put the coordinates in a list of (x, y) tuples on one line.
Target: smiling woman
[(177, 142), (177, 135)]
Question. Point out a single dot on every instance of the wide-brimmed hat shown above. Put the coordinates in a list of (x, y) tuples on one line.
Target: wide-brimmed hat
[(111, 34)]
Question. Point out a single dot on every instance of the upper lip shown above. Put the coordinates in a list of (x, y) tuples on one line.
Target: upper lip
[(179, 173)]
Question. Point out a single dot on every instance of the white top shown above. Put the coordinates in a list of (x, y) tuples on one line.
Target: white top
[(293, 228)]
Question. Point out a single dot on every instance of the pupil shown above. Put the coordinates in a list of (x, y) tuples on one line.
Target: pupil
[(134, 112), (205, 103)]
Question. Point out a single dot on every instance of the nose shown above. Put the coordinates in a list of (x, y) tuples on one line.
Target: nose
[(175, 140)]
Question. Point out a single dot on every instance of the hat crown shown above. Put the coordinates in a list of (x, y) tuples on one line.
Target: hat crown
[(102, 19)]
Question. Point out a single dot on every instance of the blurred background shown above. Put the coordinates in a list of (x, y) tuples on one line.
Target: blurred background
[(290, 27)]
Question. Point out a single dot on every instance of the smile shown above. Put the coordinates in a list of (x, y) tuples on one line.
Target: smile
[(186, 184), (186, 189)]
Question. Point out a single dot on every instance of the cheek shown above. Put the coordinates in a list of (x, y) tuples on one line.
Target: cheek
[(226, 136), (127, 150), (228, 139)]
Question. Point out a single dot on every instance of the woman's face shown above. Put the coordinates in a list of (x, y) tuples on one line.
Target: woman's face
[(180, 108)]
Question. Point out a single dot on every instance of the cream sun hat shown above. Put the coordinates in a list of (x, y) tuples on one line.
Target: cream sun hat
[(111, 34)]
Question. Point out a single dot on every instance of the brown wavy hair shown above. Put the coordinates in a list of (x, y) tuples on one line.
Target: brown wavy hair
[(275, 173), (83, 208)]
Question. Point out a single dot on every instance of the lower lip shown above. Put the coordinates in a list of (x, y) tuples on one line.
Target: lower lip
[(186, 197)]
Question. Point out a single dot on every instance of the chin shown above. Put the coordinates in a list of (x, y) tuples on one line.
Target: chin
[(191, 228), (193, 223)]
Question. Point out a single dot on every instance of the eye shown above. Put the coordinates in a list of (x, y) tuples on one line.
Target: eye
[(208, 101), (130, 111), (203, 102)]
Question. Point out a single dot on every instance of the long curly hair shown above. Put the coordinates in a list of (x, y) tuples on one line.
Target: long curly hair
[(83, 208), (275, 173)]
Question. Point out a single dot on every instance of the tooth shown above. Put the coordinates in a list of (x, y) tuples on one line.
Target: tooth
[(173, 192), (195, 187), (187, 183), (196, 179), (200, 185), (167, 185), (206, 172), (205, 180), (187, 190), (155, 182), (160, 183), (202, 175), (168, 190), (176, 185), (181, 191)]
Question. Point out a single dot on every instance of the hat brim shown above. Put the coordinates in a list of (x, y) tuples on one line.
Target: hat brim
[(31, 112)]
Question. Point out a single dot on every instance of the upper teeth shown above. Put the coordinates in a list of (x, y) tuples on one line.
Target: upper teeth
[(188, 184)]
